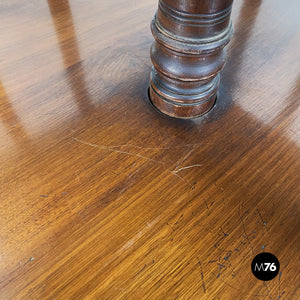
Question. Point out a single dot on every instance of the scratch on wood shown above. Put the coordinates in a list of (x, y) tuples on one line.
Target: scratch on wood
[(77, 177), (114, 150), (139, 147), (267, 287), (136, 155), (216, 245), (206, 205), (225, 234), (227, 256), (265, 223), (140, 271), (152, 148), (187, 167), (221, 266), (182, 160), (28, 261), (170, 226), (279, 293), (183, 179), (202, 276), (130, 243), (178, 219), (244, 229), (238, 289)]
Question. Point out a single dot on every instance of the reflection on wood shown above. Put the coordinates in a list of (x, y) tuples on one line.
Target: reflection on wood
[(10, 120), (69, 49), (123, 202)]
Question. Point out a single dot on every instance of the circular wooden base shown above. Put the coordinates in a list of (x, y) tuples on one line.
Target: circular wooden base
[(183, 103)]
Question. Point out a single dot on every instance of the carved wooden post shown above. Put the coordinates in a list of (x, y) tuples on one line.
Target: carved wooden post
[(188, 54)]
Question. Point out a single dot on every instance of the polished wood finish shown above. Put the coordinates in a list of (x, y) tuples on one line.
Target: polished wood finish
[(188, 54), (102, 197)]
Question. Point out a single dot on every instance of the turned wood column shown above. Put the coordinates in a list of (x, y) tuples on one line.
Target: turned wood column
[(188, 54)]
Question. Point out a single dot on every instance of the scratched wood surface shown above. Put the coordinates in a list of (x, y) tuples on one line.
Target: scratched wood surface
[(102, 197)]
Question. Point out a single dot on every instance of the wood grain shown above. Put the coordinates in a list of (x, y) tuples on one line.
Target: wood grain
[(103, 197)]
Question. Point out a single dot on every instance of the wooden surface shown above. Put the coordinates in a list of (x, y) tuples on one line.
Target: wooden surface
[(103, 197)]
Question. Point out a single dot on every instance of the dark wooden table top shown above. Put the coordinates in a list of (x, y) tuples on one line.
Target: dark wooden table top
[(103, 197)]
